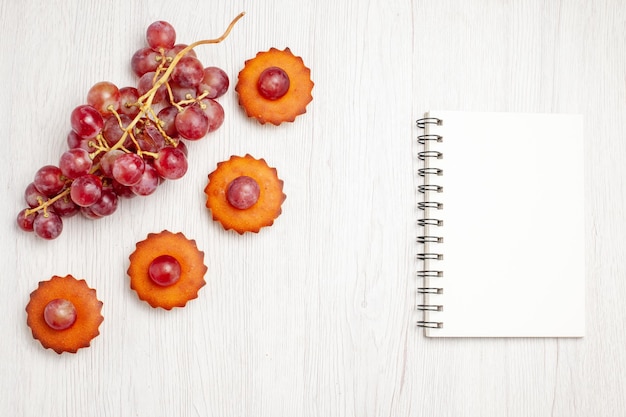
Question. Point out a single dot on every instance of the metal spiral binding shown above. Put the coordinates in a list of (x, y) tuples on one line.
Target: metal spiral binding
[(429, 290), (423, 205), (429, 307), (428, 189)]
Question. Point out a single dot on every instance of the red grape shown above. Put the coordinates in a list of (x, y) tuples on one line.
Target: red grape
[(148, 182), (153, 137), (48, 225), (171, 163), (88, 213), (214, 112), (164, 270), (123, 191), (75, 141), (113, 132), (188, 72), (273, 83), (106, 205), (181, 145), (192, 123), (86, 121), (144, 60), (167, 116), (26, 222), (243, 192), (128, 168), (214, 82), (102, 95), (146, 82), (75, 162), (106, 162), (161, 34), (86, 190), (33, 196), (49, 180), (146, 144), (59, 314), (128, 99), (65, 207), (182, 93)]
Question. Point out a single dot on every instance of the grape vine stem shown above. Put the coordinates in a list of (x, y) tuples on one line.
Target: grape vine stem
[(43, 206)]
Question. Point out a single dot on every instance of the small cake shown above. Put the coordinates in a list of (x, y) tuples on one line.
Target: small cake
[(64, 314), (166, 270), (274, 86), (244, 194)]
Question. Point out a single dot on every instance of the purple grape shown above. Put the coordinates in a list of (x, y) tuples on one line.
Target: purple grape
[(86, 190), (148, 183), (215, 82), (106, 205), (48, 225), (171, 163), (128, 168), (49, 180), (75, 162)]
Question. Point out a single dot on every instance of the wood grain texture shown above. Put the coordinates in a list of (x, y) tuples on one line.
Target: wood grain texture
[(315, 315)]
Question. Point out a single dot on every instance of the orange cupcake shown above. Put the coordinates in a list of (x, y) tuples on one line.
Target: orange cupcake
[(244, 194), (64, 314), (167, 270), (274, 86)]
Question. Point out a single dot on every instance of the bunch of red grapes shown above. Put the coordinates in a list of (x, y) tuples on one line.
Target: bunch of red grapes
[(126, 141)]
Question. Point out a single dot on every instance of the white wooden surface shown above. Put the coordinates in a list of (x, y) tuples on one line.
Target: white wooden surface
[(313, 316)]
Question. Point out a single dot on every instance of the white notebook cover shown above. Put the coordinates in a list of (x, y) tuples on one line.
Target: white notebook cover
[(513, 225)]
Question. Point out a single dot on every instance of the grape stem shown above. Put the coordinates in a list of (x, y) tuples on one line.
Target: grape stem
[(44, 205), (190, 100)]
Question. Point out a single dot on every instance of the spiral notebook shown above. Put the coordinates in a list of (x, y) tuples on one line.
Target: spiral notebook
[(501, 225)]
